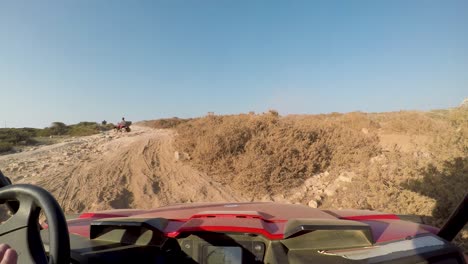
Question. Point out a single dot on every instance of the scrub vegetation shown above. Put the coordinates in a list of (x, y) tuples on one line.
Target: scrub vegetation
[(405, 162), (262, 154), (12, 139)]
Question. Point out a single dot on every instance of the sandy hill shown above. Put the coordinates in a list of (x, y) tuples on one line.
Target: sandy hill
[(114, 170), (401, 162)]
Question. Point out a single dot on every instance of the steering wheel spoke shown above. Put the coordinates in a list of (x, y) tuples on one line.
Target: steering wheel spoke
[(20, 219)]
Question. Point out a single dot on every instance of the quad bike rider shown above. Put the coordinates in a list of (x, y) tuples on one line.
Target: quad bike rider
[(123, 126)]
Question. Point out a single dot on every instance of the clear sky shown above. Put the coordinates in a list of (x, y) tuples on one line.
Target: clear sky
[(89, 60)]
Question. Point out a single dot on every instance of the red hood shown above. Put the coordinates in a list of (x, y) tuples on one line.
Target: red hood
[(267, 219)]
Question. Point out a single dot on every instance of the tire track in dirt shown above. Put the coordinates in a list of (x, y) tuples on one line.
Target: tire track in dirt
[(116, 170)]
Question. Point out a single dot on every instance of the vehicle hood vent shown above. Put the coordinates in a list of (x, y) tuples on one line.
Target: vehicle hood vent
[(326, 234)]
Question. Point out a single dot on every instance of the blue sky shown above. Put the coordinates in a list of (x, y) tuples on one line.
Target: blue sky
[(88, 60)]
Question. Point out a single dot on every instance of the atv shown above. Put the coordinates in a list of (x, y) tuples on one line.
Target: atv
[(121, 127), (220, 233)]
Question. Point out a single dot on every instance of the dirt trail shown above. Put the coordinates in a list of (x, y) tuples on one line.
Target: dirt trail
[(115, 170), (137, 170)]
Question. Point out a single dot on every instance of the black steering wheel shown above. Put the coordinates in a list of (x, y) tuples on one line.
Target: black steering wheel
[(22, 230)]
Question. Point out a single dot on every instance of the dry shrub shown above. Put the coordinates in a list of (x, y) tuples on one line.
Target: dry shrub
[(270, 154), (378, 186), (164, 122), (416, 183), (412, 122), (428, 183), (260, 154), (357, 121)]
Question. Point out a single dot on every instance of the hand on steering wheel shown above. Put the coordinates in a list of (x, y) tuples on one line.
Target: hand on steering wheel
[(21, 231)]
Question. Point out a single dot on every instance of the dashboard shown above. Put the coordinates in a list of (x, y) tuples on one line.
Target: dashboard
[(142, 241), (206, 248), (230, 248)]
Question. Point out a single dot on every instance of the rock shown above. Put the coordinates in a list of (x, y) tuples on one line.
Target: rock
[(378, 159), (313, 204), (317, 198), (330, 190), (309, 182), (303, 189), (297, 196), (365, 131), (44, 166), (279, 198), (181, 156), (344, 178)]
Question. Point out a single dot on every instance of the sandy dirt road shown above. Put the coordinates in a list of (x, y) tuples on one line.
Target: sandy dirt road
[(115, 170)]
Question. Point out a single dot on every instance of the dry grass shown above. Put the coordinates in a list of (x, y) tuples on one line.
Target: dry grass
[(164, 123), (259, 154), (262, 154), (430, 181)]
